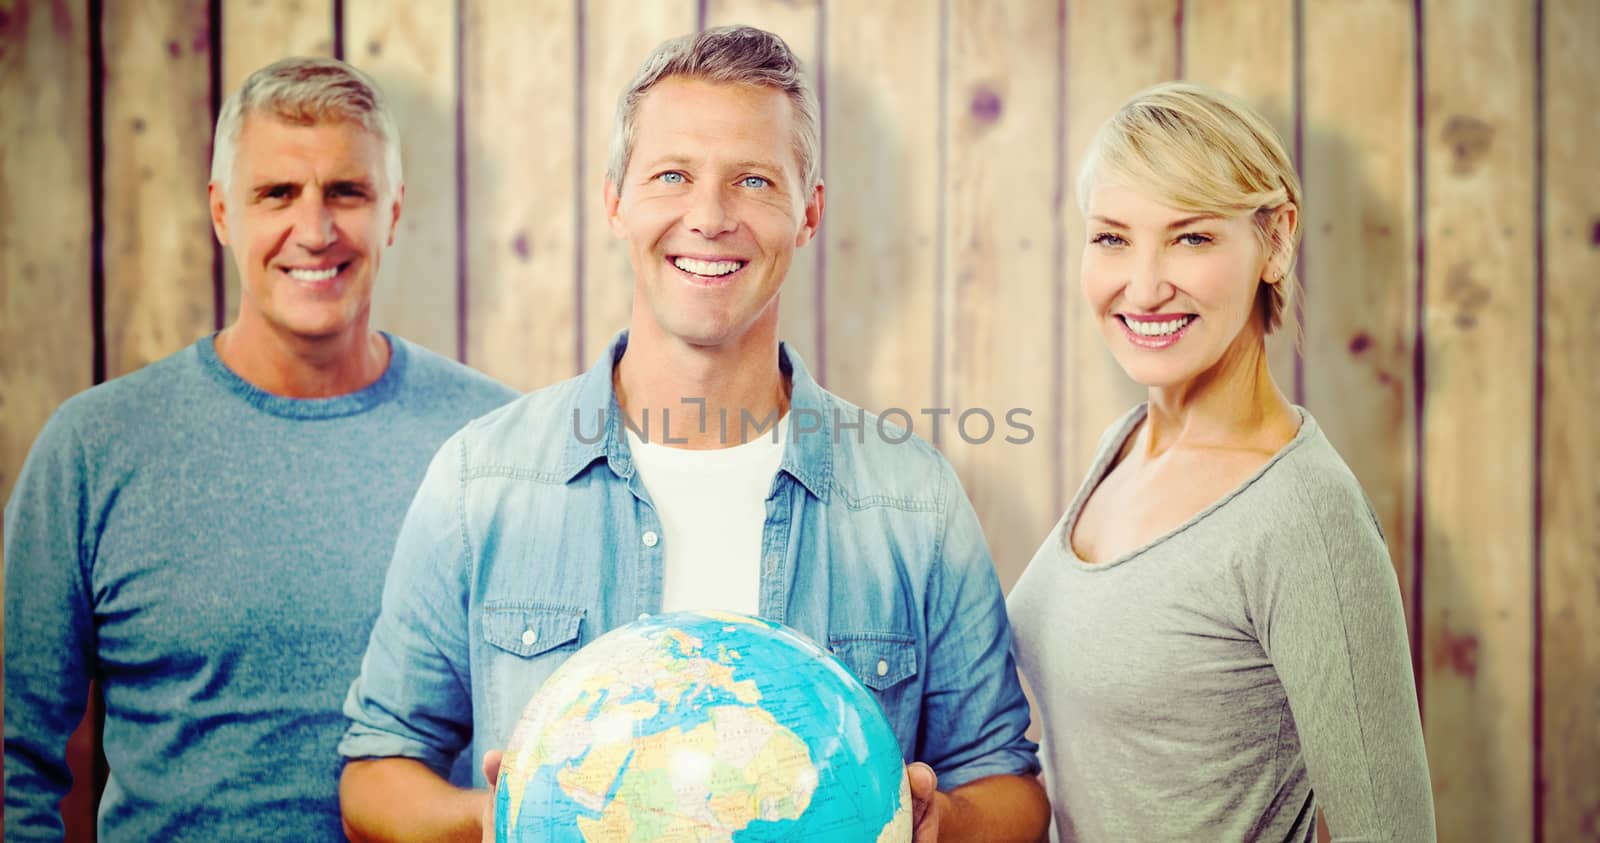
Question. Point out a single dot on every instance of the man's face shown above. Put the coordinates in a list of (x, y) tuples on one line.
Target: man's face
[(713, 207), (308, 213)]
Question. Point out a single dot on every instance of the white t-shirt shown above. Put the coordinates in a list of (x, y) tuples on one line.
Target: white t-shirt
[(713, 506)]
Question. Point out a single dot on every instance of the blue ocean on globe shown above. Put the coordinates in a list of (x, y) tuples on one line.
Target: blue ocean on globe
[(702, 726)]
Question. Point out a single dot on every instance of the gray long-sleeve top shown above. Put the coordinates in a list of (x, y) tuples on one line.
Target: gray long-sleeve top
[(1227, 679)]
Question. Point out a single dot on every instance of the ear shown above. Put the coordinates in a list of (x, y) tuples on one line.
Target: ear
[(394, 214), (813, 218), (219, 211), (1285, 222), (613, 200)]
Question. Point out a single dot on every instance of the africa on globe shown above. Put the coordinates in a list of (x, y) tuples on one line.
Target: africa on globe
[(702, 726)]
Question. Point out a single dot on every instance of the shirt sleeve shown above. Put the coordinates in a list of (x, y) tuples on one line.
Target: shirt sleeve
[(413, 697), (49, 629), (974, 715), (1329, 616)]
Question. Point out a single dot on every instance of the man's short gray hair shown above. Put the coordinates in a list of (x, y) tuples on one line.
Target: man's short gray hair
[(306, 91), (740, 55)]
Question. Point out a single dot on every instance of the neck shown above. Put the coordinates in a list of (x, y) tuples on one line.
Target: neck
[(664, 375), (293, 366), (1235, 404)]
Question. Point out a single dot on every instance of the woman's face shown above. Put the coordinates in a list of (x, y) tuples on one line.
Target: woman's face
[(1173, 291)]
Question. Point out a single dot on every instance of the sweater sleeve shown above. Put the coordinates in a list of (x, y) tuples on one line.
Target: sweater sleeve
[(412, 698), (49, 629), (1328, 614)]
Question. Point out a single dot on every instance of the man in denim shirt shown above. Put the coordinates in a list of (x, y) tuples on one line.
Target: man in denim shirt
[(544, 525)]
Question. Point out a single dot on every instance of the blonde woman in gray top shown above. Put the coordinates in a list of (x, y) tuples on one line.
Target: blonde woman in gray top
[(1214, 631)]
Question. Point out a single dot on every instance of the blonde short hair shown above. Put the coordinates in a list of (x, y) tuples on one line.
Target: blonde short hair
[(1203, 151), (306, 91), (732, 55)]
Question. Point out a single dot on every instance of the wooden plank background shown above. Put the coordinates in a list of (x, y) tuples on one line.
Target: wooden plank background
[(1452, 239)]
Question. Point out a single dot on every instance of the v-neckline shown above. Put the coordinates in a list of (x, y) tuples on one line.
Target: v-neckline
[(1102, 467)]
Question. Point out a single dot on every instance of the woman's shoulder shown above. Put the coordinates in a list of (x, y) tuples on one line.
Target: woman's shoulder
[(1315, 487)]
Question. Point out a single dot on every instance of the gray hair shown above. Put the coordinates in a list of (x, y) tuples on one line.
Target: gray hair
[(306, 91), (741, 55)]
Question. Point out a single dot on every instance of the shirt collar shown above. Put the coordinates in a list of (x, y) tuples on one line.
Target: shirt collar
[(808, 456)]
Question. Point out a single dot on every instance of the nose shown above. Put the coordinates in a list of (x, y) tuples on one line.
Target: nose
[(1147, 287), (708, 214), (313, 223)]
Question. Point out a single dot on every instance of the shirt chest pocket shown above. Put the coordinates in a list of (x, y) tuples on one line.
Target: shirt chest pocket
[(526, 643), (886, 663)]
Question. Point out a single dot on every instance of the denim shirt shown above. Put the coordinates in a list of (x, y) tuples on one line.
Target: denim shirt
[(532, 535)]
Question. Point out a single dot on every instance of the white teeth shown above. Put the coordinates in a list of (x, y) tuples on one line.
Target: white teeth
[(314, 275), (1157, 329), (707, 268)]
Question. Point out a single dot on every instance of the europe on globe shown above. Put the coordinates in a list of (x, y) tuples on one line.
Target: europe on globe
[(694, 727)]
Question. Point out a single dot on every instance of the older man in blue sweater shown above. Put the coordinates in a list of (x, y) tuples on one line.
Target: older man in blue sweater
[(207, 537)]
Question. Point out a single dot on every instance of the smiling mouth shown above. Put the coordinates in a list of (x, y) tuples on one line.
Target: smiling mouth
[(1156, 329), (707, 270), (318, 275)]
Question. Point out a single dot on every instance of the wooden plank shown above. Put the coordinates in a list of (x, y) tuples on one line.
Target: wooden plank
[(158, 239), (1570, 523), (1003, 265), (1246, 47), (1478, 319), (45, 242), (521, 69), (1114, 50), (617, 36), (256, 33), (409, 47), (45, 325), (881, 132), (795, 21), (1360, 235), (1359, 224)]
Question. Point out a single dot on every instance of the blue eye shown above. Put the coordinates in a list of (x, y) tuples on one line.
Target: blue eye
[(1194, 239), (754, 182), (1106, 238), (671, 178)]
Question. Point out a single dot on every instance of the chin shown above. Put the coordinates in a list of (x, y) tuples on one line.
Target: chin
[(1157, 376)]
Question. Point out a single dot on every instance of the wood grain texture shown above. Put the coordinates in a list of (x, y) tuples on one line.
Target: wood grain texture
[(521, 68), (158, 239), (1246, 48), (254, 34), (45, 319), (618, 35), (409, 47), (1002, 267), (1360, 252), (795, 21), (1114, 50), (1570, 526), (881, 132), (1477, 419)]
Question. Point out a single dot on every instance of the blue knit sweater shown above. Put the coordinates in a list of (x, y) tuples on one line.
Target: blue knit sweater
[(214, 556)]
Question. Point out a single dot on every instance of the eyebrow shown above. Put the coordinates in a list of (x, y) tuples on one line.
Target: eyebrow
[(1173, 226), (263, 188), (746, 164)]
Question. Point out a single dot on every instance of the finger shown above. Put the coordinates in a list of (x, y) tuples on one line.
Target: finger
[(491, 766), (923, 780)]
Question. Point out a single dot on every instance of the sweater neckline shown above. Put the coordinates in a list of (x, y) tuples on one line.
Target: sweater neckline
[(351, 403), (1102, 466)]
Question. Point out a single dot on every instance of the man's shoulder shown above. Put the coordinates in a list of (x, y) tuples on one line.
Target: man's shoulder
[(443, 379), (879, 460), (158, 386), (530, 433)]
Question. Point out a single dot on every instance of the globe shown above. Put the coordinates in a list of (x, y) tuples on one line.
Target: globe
[(702, 726)]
